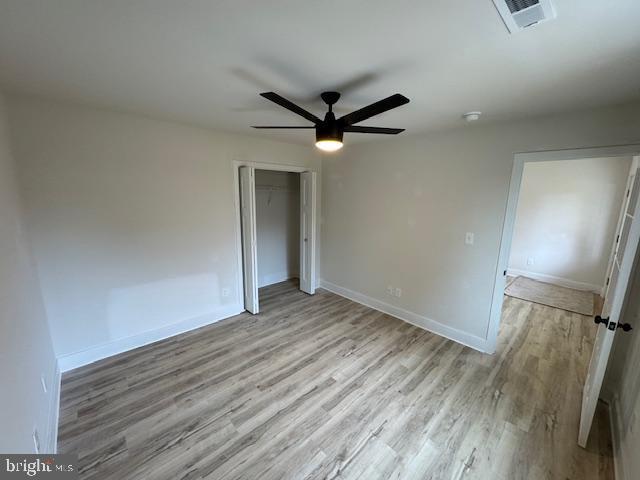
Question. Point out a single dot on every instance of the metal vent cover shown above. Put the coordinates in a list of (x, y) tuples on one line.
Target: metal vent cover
[(517, 5), (520, 14)]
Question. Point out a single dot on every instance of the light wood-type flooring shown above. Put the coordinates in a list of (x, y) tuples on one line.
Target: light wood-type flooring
[(319, 387)]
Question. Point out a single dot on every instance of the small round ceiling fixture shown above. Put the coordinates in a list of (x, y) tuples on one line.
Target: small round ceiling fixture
[(472, 116)]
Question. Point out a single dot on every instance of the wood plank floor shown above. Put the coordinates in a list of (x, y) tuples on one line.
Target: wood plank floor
[(319, 387)]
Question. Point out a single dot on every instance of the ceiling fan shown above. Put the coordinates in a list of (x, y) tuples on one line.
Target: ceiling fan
[(330, 131)]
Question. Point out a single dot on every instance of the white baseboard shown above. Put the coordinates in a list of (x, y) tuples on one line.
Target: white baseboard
[(563, 282), (617, 428), (99, 352), (475, 342), (278, 277), (50, 444)]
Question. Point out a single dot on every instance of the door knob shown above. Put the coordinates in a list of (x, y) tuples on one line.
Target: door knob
[(598, 319), (625, 327)]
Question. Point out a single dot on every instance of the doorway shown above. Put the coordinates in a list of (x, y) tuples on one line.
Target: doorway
[(621, 264), (564, 231), (277, 226), (276, 212), (519, 162)]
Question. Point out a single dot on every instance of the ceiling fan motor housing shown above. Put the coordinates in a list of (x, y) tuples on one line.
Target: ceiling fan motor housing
[(329, 129)]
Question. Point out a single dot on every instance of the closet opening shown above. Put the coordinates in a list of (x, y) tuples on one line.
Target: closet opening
[(277, 217), (277, 226)]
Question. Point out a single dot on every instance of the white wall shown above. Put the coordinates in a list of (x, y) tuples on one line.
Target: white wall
[(566, 220), (26, 351), (395, 212), (277, 226), (132, 220)]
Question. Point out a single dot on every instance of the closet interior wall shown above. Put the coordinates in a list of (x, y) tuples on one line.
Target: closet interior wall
[(278, 226)]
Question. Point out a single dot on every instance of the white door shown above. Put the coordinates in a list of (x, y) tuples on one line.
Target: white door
[(249, 252), (622, 265), (308, 232)]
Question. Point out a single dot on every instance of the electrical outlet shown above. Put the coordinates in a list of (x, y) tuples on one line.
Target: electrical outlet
[(36, 440), (469, 238), (530, 261), (225, 292), (389, 290), (398, 292), (43, 381)]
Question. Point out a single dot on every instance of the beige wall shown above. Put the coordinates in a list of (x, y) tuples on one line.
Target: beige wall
[(26, 351), (566, 220), (395, 212), (132, 221)]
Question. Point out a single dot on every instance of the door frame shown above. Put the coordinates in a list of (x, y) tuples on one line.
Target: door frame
[(277, 167), (519, 159)]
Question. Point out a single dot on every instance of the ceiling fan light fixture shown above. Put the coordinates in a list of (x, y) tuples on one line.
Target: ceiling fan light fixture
[(329, 135), (329, 145)]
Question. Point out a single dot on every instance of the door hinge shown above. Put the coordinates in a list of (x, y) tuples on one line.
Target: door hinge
[(608, 279)]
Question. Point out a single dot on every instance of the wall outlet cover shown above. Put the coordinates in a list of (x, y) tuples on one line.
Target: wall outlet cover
[(469, 238)]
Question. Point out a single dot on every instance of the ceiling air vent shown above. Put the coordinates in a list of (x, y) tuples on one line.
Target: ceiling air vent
[(520, 14)]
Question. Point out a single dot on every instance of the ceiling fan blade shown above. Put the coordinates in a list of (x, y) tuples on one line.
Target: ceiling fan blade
[(283, 102), (387, 131), (310, 126), (374, 109)]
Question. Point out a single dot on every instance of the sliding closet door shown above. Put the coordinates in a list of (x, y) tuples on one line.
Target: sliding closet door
[(249, 251), (308, 232)]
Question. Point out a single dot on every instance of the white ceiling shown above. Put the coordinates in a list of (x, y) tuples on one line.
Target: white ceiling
[(204, 62)]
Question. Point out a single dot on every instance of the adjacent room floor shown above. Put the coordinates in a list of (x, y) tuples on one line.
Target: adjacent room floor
[(572, 300), (321, 387)]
